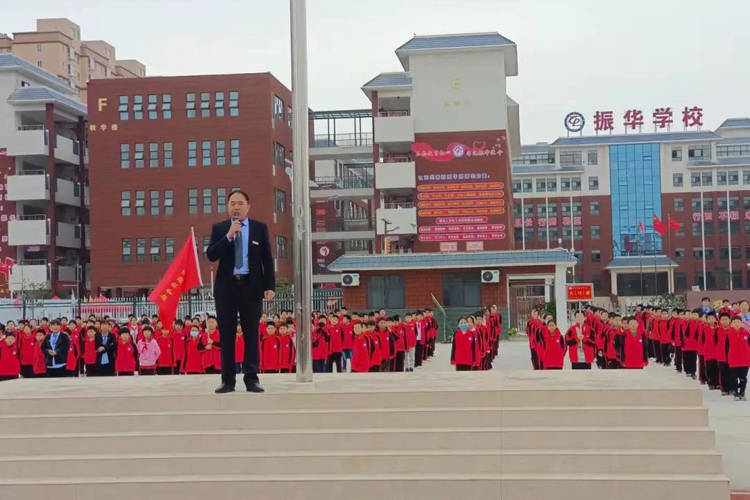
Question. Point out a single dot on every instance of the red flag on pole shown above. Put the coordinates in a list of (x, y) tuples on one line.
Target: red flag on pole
[(674, 224), (659, 226), (182, 275), (641, 228)]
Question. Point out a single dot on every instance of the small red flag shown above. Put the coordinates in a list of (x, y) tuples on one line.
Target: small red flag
[(659, 226), (674, 224), (182, 275), (641, 228)]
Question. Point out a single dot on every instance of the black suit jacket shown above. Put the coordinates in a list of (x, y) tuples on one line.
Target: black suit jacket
[(109, 346), (260, 259), (61, 348)]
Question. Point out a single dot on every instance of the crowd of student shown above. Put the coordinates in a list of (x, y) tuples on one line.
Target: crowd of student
[(477, 340), (359, 342), (710, 344)]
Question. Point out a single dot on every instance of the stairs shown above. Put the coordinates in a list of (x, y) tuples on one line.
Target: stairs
[(371, 436)]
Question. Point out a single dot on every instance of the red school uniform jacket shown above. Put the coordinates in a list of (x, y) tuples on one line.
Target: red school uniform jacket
[(691, 334), (320, 348), (193, 356), (287, 353), (239, 347), (10, 361), (376, 354), (387, 348), (738, 348), (40, 361), (348, 335), (361, 350), (270, 353), (211, 357), (720, 339), (336, 338), (465, 349), (634, 350), (89, 351), (411, 335), (178, 343), (554, 349), (74, 354), (588, 345), (27, 346), (166, 345), (125, 357), (709, 342), (399, 338)]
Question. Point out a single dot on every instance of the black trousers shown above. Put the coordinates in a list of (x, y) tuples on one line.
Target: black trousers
[(666, 351), (319, 365), (400, 361), (581, 366), (689, 359), (739, 374), (463, 368), (163, 370), (725, 380), (237, 298), (334, 359), (57, 372), (418, 354), (712, 373), (27, 371), (534, 359), (678, 358), (657, 351), (702, 366), (3, 378), (613, 364)]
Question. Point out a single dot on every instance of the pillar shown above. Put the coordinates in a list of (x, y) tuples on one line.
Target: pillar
[(613, 281), (561, 299), (83, 215), (51, 212), (670, 280)]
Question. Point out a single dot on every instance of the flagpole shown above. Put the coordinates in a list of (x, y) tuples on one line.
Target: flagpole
[(729, 241), (195, 250), (301, 192), (546, 214), (523, 225), (703, 237)]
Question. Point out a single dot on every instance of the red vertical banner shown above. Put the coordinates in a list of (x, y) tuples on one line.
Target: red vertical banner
[(464, 191)]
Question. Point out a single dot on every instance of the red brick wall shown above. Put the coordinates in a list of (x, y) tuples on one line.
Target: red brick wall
[(7, 208), (255, 174)]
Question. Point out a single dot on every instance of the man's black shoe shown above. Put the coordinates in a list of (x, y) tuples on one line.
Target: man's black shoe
[(224, 388), (254, 386)]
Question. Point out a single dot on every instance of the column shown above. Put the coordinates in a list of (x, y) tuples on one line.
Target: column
[(83, 215), (670, 280), (613, 281), (561, 299), (51, 212)]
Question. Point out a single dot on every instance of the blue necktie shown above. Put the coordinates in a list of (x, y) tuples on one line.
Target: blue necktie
[(238, 249)]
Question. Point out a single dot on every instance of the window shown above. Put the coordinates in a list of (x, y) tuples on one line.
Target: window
[(516, 186), (221, 158), (138, 156), (140, 249), (155, 250), (596, 256), (677, 154), (221, 200), (192, 153), (190, 105), (153, 154), (679, 253), (541, 185), (168, 154), (565, 184), (551, 184), (152, 113), (679, 205), (677, 180), (281, 252), (706, 179), (461, 289), (126, 250), (724, 253), (289, 117), (571, 158), (234, 151), (595, 232), (125, 155), (733, 177), (699, 152), (721, 178), (526, 185), (578, 234), (594, 208), (206, 153), (734, 150), (205, 104), (206, 242), (734, 227), (746, 176), (278, 108), (234, 103), (698, 253), (219, 104), (385, 292), (207, 200), (140, 203), (138, 107), (125, 203), (123, 107), (733, 203), (575, 183), (166, 106), (594, 182), (168, 202), (38, 47), (278, 154), (168, 249), (592, 157), (707, 226), (280, 201), (695, 179), (154, 198), (192, 201)]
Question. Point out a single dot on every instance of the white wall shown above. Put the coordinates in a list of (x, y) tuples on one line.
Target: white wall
[(462, 91)]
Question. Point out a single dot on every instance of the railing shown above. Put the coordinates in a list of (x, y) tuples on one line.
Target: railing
[(393, 112), (348, 182), (397, 158), (33, 262), (31, 172), (398, 205), (32, 217), (347, 225), (342, 140), (30, 127)]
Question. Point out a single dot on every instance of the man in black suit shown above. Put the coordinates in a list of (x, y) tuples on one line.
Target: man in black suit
[(244, 278)]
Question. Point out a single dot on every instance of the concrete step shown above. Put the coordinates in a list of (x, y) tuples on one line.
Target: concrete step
[(628, 416), (314, 439), (112, 403), (373, 462), (375, 486)]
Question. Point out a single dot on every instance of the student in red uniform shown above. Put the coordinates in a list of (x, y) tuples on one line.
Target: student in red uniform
[(89, 351), (387, 351), (74, 353), (239, 348), (40, 361), (193, 362), (531, 333), (376, 354), (210, 339), (270, 350), (410, 335), (665, 337), (336, 347), (179, 334), (287, 350), (399, 343), (554, 347), (690, 339), (163, 337), (319, 347), (347, 331), (10, 361), (633, 346), (465, 349), (721, 354), (581, 344), (709, 351), (361, 349), (28, 346), (738, 356), (612, 332), (148, 352), (125, 356)]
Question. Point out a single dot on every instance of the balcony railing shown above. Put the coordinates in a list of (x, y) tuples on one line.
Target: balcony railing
[(30, 127), (31, 172), (393, 112), (348, 225), (32, 217), (398, 204), (397, 158), (343, 140), (33, 262), (347, 182)]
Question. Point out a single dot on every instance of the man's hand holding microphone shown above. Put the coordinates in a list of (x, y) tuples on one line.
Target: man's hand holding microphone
[(235, 228)]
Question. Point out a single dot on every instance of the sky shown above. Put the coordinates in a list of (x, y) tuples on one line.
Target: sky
[(577, 55)]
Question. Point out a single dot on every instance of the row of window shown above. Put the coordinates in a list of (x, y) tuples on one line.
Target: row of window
[(161, 154), (723, 178), (695, 152), (530, 234), (158, 204), (570, 158), (543, 209), (211, 103), (549, 184), (679, 253), (277, 111), (734, 150), (155, 253), (708, 203)]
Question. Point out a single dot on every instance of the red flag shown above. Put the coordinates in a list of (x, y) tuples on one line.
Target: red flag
[(659, 226), (674, 224), (641, 228), (182, 275)]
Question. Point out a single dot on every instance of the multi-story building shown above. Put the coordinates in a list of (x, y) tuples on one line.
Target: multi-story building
[(44, 198), (56, 47), (599, 195), (168, 152)]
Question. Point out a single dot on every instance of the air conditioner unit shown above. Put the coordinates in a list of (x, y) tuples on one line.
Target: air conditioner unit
[(350, 279), (490, 276)]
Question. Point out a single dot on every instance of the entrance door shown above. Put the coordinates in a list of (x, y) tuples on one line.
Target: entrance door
[(523, 297)]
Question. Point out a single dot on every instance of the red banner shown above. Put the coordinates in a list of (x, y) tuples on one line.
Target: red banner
[(581, 291), (461, 237), (477, 228)]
